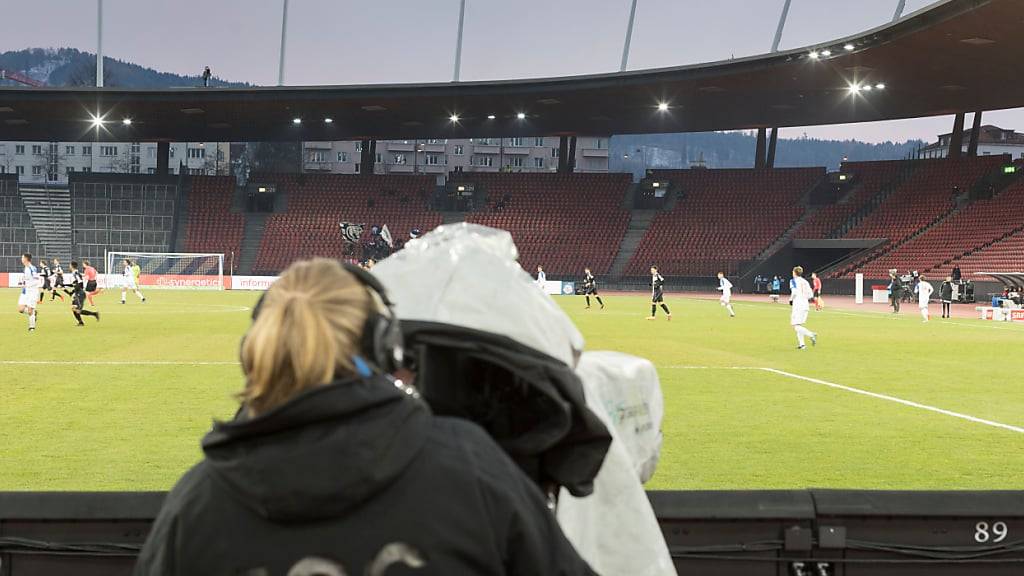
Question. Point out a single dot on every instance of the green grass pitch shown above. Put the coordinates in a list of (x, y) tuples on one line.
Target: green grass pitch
[(122, 404)]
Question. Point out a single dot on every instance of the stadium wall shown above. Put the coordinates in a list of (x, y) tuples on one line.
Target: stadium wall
[(728, 533)]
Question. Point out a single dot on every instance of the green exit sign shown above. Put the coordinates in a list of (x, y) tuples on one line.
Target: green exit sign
[(1009, 169)]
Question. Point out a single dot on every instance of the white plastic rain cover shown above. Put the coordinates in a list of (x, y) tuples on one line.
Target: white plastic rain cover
[(615, 529), (468, 275)]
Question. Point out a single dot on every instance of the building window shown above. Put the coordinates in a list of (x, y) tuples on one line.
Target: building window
[(538, 141), (516, 141), (37, 170), (51, 176), (70, 170), (554, 152), (196, 153), (86, 150), (88, 169), (19, 149), (342, 156), (457, 150), (3, 169), (108, 151), (20, 170), (517, 162), (379, 158), (538, 162), (37, 149), (69, 150), (398, 159), (171, 152), (317, 156), (599, 144), (359, 146), (483, 160), (151, 170), (432, 159), (358, 167)]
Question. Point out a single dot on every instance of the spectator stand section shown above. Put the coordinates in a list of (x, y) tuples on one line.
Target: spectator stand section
[(563, 222), (318, 203), (724, 218), (926, 199), (128, 213), (17, 234), (212, 226)]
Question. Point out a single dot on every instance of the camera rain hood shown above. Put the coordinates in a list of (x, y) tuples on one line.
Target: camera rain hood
[(488, 345)]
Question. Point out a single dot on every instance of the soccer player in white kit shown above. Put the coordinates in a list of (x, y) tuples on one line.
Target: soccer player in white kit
[(29, 291), (726, 299), (800, 299), (128, 281), (542, 278), (924, 292)]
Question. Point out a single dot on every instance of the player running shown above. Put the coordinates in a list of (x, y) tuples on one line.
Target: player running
[(129, 281), (819, 304), (590, 288), (924, 293), (77, 292), (91, 288), (726, 288), (800, 299), (58, 281), (44, 279), (658, 295), (29, 291), (137, 273)]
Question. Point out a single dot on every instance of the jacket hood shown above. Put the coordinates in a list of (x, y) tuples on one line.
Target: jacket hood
[(323, 452)]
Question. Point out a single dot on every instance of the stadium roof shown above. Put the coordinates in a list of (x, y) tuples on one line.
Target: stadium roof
[(955, 56)]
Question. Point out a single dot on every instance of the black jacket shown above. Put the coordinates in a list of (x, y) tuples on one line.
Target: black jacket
[(946, 291), (359, 475)]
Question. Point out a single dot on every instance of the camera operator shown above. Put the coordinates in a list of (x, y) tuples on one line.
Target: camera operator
[(332, 467)]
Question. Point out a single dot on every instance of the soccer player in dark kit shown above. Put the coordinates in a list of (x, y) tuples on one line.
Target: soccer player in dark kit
[(658, 295), (590, 288), (58, 281), (77, 293)]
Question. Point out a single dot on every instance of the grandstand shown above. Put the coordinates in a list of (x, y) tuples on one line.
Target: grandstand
[(17, 233)]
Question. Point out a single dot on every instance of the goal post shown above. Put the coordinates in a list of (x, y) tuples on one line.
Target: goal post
[(173, 270)]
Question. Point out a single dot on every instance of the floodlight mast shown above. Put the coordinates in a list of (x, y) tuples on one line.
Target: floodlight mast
[(458, 41), (99, 43), (629, 37), (284, 42)]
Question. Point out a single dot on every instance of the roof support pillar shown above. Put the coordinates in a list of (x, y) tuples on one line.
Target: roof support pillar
[(284, 43), (368, 156), (771, 148), (899, 10), (163, 157), (972, 144), (629, 37), (782, 24), (956, 140), (458, 42), (762, 134)]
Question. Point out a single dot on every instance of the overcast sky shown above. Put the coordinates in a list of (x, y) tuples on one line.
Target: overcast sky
[(370, 41)]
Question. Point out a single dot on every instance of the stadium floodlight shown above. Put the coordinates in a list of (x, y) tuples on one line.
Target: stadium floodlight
[(328, 120), (813, 54), (855, 88), (848, 47), (880, 86), (127, 121), (867, 87), (521, 116), (296, 121), (826, 53), (97, 121), (490, 116), (662, 106), (454, 118)]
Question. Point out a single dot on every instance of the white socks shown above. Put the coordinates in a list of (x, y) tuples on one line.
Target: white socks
[(801, 332), (924, 314), (729, 308)]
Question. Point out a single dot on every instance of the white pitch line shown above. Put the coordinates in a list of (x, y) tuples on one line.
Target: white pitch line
[(117, 363), (910, 403)]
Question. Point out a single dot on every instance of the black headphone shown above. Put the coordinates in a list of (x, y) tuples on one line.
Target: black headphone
[(382, 343)]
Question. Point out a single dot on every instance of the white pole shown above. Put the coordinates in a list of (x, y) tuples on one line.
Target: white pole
[(899, 10), (99, 43), (782, 24), (458, 41), (859, 289), (629, 37), (284, 38)]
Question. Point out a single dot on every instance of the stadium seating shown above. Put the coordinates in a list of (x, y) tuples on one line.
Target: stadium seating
[(869, 179), (564, 222), (17, 234), (317, 203), (115, 212), (974, 226), (723, 219), (925, 197), (1005, 255), (212, 226)]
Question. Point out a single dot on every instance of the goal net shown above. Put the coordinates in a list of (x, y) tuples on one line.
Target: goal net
[(168, 270)]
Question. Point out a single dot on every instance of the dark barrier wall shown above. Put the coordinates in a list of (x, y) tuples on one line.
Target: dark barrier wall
[(727, 533)]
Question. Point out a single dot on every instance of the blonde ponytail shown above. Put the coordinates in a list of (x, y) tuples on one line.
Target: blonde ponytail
[(308, 330)]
